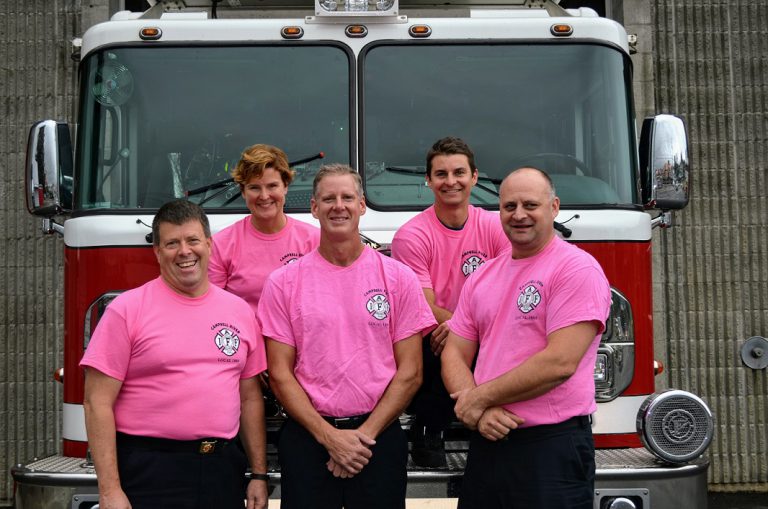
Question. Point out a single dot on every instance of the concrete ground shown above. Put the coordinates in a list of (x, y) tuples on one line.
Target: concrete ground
[(413, 503), (715, 501)]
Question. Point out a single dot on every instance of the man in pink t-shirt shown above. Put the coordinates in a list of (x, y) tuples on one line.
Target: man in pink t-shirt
[(171, 379), (344, 327), (534, 319), (444, 245)]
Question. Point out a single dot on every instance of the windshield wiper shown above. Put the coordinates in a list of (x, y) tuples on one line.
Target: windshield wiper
[(405, 171), (560, 227), (228, 181), (411, 171)]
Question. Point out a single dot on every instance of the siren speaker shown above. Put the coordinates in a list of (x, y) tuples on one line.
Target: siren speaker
[(675, 425)]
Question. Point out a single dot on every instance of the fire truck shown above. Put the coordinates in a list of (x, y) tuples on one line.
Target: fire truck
[(171, 96)]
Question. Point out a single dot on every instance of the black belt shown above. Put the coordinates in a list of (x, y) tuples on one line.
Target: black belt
[(352, 422), (578, 422), (209, 445)]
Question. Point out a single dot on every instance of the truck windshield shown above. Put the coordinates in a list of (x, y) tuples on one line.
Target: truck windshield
[(563, 108), (159, 122)]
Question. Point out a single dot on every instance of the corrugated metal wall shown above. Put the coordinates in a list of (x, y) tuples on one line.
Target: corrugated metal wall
[(37, 79), (705, 60), (711, 67)]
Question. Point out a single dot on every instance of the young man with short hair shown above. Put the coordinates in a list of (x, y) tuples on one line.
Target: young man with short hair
[(444, 245)]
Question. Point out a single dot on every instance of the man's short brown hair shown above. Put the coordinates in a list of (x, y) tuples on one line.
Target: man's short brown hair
[(179, 212), (447, 146)]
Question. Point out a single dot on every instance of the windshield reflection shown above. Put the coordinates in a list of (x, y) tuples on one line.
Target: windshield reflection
[(562, 108), (159, 122)]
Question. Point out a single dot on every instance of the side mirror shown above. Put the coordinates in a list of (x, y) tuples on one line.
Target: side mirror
[(664, 164), (48, 170)]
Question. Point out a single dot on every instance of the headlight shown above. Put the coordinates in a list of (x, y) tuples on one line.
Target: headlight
[(615, 363), (675, 425)]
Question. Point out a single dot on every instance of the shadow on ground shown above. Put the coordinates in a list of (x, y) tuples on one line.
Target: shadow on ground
[(737, 500)]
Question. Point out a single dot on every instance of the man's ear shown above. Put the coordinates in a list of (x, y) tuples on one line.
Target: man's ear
[(313, 207)]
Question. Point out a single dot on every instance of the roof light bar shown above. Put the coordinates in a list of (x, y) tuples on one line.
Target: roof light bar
[(341, 8)]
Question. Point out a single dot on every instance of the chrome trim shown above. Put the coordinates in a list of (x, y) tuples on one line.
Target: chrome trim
[(48, 169), (97, 307), (664, 163), (618, 344)]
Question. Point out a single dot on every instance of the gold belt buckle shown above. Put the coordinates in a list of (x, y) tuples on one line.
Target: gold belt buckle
[(207, 446)]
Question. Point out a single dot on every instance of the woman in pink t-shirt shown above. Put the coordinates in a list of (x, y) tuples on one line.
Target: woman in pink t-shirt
[(245, 253)]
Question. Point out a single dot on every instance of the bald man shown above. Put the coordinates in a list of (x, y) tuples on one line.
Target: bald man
[(534, 319)]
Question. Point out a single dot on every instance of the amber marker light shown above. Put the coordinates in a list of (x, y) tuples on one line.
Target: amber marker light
[(420, 31), (561, 30), (150, 33), (356, 31), (292, 32)]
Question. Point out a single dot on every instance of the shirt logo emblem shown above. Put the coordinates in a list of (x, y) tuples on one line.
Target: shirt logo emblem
[(529, 298), (227, 342), (471, 264), (378, 306)]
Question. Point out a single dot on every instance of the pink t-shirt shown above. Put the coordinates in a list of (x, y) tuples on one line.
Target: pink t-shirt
[(442, 258), (510, 306), (180, 360), (343, 322), (243, 257)]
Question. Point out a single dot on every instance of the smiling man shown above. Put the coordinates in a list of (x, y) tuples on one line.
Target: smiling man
[(444, 245), (171, 378), (534, 319), (343, 327)]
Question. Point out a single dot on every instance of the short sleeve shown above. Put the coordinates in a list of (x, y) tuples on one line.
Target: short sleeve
[(415, 314), (273, 311), (257, 355), (581, 295), (408, 249), (109, 350)]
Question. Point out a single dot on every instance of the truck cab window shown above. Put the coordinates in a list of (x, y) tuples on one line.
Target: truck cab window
[(141, 146), (563, 108)]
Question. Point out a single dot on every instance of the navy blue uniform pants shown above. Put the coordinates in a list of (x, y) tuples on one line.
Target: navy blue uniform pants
[(432, 406), (181, 479), (306, 482), (548, 467)]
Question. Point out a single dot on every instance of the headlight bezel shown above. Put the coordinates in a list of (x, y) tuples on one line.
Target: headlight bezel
[(615, 361)]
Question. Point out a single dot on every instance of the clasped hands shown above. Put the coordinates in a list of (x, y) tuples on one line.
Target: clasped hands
[(350, 451), (492, 422)]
